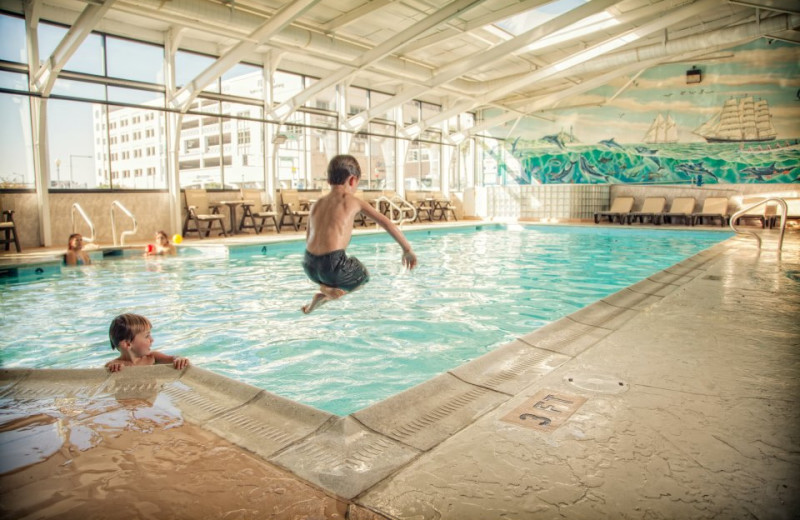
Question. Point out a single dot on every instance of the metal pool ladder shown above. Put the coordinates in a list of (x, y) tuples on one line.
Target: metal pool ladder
[(76, 206), (400, 211), (784, 212), (122, 236)]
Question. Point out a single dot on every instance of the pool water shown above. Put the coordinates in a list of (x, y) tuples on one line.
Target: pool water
[(238, 314)]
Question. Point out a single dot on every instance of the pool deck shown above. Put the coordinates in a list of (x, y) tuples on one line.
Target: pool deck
[(676, 397)]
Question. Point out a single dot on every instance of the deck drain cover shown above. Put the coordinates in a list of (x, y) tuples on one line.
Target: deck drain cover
[(545, 411), (603, 384), (713, 277), (793, 275)]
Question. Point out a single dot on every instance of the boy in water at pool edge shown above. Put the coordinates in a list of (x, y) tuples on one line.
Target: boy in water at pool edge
[(330, 227), (130, 334)]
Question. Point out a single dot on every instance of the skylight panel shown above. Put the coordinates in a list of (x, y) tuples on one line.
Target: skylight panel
[(526, 21)]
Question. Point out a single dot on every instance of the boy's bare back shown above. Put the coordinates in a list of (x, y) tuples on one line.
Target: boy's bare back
[(331, 222)]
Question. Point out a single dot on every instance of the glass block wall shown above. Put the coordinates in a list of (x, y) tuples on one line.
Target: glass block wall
[(556, 201)]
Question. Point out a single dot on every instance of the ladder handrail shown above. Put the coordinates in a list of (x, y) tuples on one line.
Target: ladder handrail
[(784, 211), (86, 218), (119, 205), (400, 211)]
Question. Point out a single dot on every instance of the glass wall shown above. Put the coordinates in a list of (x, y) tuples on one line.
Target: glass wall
[(107, 124), (16, 146)]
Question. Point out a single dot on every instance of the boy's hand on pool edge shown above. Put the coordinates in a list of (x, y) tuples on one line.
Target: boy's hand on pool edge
[(114, 366), (409, 259), (180, 363)]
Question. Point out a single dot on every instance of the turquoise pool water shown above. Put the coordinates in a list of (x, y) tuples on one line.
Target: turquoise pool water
[(238, 314)]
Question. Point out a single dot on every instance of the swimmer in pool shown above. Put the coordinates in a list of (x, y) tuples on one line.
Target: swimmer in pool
[(162, 246), (329, 230), (130, 334), (75, 254)]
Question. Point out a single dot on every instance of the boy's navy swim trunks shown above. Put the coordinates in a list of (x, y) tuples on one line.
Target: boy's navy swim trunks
[(335, 269)]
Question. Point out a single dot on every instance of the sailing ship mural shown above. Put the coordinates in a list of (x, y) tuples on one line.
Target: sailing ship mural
[(740, 120), (743, 126), (662, 131)]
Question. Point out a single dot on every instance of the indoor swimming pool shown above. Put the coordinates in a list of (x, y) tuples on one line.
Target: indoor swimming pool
[(237, 312)]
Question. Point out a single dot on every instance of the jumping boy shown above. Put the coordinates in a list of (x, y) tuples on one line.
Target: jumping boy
[(130, 334), (329, 230)]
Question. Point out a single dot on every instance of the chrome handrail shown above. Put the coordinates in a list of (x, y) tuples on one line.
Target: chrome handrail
[(122, 235), (400, 211), (76, 206), (784, 212)]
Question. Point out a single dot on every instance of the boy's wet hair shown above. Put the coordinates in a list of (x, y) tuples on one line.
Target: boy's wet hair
[(341, 167), (126, 327)]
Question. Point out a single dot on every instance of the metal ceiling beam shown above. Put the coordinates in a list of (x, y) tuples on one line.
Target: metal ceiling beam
[(550, 101), (354, 14), (780, 6), (46, 75), (477, 23), (184, 97), (602, 48), (285, 109), (469, 63), (785, 36)]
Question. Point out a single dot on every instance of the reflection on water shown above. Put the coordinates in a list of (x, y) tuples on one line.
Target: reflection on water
[(136, 458)]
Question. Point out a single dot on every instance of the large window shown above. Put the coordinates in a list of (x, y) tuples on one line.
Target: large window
[(89, 58), (72, 131), (381, 171), (16, 149), (13, 45), (423, 164), (135, 60)]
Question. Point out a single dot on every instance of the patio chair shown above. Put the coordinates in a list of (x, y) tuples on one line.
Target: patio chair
[(9, 229), (681, 208), (620, 209), (198, 212), (651, 209), (255, 210), (713, 208), (442, 205), (291, 214), (361, 218), (422, 202)]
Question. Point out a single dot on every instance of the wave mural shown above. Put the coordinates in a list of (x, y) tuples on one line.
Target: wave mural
[(742, 125), (610, 162)]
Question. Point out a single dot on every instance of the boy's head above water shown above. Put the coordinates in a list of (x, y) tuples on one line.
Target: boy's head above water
[(125, 327), (341, 168)]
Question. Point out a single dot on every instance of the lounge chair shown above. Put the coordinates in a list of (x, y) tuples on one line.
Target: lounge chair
[(290, 210), (681, 208), (713, 208), (651, 209), (198, 212), (762, 213), (9, 229), (792, 213), (620, 209), (255, 209)]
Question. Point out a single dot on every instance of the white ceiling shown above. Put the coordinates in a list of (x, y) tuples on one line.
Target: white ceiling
[(462, 53)]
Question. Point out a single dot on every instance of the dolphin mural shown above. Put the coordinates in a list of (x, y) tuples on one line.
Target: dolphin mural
[(761, 172), (591, 170)]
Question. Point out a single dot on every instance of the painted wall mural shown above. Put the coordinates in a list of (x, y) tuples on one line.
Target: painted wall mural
[(740, 124)]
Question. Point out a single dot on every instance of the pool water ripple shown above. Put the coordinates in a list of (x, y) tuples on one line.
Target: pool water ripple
[(239, 316)]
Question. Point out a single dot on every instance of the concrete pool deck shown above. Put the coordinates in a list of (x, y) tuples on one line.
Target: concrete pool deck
[(676, 397)]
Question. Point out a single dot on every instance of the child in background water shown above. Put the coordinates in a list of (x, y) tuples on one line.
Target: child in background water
[(162, 246), (130, 334)]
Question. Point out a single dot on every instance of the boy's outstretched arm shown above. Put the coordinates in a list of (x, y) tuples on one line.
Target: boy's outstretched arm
[(409, 258), (177, 362)]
